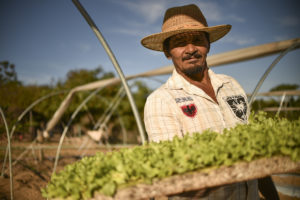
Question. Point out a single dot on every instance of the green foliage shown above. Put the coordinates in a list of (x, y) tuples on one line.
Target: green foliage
[(140, 93), (262, 137), (290, 101), (283, 87), (18, 97), (15, 98), (7, 73), (81, 76)]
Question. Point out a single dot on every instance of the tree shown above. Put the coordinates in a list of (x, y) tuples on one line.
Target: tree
[(18, 97), (82, 76), (290, 101), (283, 87), (7, 73)]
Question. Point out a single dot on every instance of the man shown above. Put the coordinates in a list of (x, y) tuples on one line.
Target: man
[(194, 98)]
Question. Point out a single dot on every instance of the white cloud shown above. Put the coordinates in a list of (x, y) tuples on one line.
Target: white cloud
[(213, 13), (239, 40), (81, 46), (236, 18), (41, 79), (136, 32), (155, 53), (84, 47), (233, 3), (281, 37), (151, 11), (128, 31), (289, 21)]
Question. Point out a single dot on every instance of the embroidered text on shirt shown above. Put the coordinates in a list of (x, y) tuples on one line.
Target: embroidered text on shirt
[(183, 99)]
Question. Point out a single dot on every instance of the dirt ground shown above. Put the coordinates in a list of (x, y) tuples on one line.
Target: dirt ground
[(29, 178), (35, 166)]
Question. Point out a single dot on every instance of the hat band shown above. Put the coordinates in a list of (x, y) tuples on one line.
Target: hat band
[(184, 26)]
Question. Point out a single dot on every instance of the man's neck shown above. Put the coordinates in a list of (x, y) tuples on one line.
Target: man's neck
[(202, 81)]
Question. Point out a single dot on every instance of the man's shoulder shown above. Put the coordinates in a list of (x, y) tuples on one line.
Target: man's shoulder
[(221, 79), (227, 78), (159, 93)]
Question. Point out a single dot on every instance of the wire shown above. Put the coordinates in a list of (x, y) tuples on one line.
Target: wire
[(22, 115), (262, 79), (68, 125), (9, 156), (116, 65)]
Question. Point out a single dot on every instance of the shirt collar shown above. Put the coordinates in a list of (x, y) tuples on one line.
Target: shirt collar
[(176, 81), (217, 81)]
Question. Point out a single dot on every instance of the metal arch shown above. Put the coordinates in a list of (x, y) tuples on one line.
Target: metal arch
[(32, 105), (120, 119), (68, 125), (281, 103), (113, 101), (214, 60), (262, 79), (116, 65), (9, 156), (22, 115), (155, 79)]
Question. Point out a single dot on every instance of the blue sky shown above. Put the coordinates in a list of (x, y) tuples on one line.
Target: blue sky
[(47, 38)]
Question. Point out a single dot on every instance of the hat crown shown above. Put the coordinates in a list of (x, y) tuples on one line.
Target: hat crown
[(184, 19), (189, 16)]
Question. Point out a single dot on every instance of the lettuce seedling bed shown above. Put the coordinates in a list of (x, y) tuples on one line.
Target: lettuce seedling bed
[(263, 147)]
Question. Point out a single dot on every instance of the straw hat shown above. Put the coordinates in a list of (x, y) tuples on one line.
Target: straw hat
[(183, 19)]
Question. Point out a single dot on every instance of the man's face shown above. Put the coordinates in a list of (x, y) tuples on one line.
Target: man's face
[(188, 52)]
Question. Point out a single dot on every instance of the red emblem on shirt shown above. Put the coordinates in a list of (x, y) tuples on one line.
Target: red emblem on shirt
[(189, 110)]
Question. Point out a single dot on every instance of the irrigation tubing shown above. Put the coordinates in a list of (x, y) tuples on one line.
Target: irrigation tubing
[(116, 65), (108, 116), (281, 103), (9, 156), (113, 101), (68, 125), (262, 79), (155, 79), (84, 144), (22, 115)]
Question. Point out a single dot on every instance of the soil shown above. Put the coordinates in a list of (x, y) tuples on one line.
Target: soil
[(33, 170), (29, 178)]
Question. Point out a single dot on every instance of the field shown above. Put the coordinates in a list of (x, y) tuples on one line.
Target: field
[(32, 172)]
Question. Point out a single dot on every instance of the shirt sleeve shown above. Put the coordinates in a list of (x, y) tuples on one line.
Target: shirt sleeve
[(160, 119)]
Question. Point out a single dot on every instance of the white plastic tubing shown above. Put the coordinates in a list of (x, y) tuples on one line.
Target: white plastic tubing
[(116, 65)]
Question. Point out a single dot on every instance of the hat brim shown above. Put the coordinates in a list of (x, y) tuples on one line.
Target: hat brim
[(155, 41)]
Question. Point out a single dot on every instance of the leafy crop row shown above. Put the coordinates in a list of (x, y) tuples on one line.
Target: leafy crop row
[(105, 173)]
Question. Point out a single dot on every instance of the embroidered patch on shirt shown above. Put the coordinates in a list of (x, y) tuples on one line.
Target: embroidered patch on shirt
[(183, 99), (238, 105), (189, 110)]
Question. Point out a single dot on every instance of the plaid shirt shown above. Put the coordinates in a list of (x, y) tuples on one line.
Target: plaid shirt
[(179, 108)]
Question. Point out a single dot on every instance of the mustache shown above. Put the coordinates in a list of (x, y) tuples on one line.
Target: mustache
[(189, 56)]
